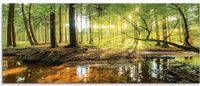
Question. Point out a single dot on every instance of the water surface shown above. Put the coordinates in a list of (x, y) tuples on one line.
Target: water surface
[(134, 71)]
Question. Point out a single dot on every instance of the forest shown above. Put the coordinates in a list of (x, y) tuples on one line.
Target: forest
[(101, 43)]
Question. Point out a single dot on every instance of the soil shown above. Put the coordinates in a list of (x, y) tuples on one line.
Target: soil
[(59, 55)]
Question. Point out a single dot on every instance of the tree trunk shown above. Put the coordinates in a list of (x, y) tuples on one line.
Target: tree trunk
[(186, 33), (198, 9), (40, 32), (45, 31), (136, 34), (13, 35), (110, 32), (101, 31), (122, 30), (60, 25), (26, 25), (90, 31), (180, 33), (81, 26), (188, 24), (66, 21), (25, 36), (30, 25), (86, 29), (10, 27), (168, 30), (187, 48), (164, 27), (76, 25), (157, 31), (52, 27), (72, 30), (99, 34)]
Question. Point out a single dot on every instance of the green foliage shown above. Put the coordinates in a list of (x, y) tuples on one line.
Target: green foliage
[(110, 23)]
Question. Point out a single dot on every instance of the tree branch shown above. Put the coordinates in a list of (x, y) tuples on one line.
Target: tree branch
[(190, 48)]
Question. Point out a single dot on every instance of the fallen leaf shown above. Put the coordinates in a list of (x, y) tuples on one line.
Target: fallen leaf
[(58, 67), (13, 71)]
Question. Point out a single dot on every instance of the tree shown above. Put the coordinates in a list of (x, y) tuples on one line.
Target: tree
[(66, 18), (26, 25), (72, 30), (86, 20), (45, 31), (198, 12), (10, 28), (81, 24), (180, 33), (164, 28), (30, 25), (90, 30), (186, 33), (13, 35), (52, 27), (157, 30), (60, 25)]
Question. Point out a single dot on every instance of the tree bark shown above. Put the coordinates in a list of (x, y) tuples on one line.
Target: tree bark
[(122, 30), (30, 25), (81, 26), (60, 25), (110, 30), (198, 9), (180, 33), (86, 20), (13, 35), (90, 30), (164, 27), (102, 31), (26, 25), (99, 34), (168, 30), (187, 36), (72, 30), (76, 25), (157, 30), (146, 27), (45, 31), (10, 27), (52, 27), (187, 48), (66, 21)]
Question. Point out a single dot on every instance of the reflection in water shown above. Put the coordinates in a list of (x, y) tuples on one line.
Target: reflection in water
[(82, 72), (145, 71), (128, 72), (189, 59), (31, 73)]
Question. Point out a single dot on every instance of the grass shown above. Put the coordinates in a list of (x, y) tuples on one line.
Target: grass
[(193, 60), (112, 43), (19, 44)]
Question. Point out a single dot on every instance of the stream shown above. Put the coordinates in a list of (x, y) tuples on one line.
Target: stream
[(134, 71)]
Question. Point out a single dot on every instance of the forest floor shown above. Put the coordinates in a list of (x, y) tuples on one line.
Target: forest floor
[(60, 56), (42, 54)]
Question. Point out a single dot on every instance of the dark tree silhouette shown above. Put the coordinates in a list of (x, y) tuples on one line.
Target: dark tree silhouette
[(30, 25), (186, 33), (26, 25), (10, 28), (60, 25), (72, 30), (52, 28)]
